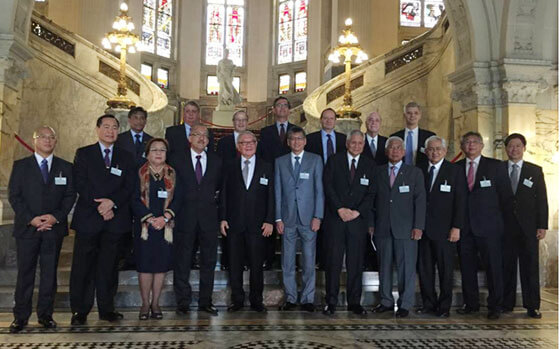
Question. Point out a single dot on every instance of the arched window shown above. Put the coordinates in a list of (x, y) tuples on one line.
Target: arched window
[(420, 13), (157, 27), (292, 31), (225, 23)]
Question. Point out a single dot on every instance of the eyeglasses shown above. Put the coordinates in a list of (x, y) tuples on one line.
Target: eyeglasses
[(472, 142), (158, 150), (247, 143), (282, 105), (45, 137), (296, 138), (196, 134)]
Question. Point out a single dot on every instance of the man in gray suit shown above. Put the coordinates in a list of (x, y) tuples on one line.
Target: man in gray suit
[(399, 215), (298, 178)]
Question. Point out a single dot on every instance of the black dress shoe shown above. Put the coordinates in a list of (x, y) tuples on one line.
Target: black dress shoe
[(78, 319), (442, 313), (287, 306), (534, 313), (507, 310), (309, 307), (493, 315), (182, 310), (357, 309), (17, 325), (267, 265), (259, 308), (210, 309), (111, 316), (401, 313), (235, 307), (423, 310), (465, 310), (47, 322), (329, 309), (380, 308)]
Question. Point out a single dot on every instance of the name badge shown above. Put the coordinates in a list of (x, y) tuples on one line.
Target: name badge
[(116, 171), (162, 194), (528, 183), (263, 181), (364, 181), (485, 183), (304, 175), (404, 189), (62, 181), (445, 188)]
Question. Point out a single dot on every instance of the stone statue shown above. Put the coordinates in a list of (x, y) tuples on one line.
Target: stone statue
[(228, 96)]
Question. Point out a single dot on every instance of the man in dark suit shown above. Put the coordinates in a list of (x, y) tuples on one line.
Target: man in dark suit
[(399, 216), (134, 140), (413, 136), (41, 192), (200, 173), (375, 143), (525, 215), (445, 209), (178, 136), (104, 177), (247, 216), (325, 143), (227, 149), (348, 185), (483, 227), (273, 144)]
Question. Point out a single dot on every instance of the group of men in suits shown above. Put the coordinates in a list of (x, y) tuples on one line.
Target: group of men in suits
[(416, 206)]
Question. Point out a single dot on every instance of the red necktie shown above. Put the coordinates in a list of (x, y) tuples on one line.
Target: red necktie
[(470, 176)]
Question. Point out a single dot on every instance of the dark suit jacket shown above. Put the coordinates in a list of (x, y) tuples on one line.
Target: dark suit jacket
[(227, 149), (380, 156), (247, 209), (421, 158), (484, 209), (94, 181), (31, 197), (315, 143), (396, 213), (445, 210), (200, 206), (177, 138), (529, 205), (341, 192), (270, 147), (126, 141)]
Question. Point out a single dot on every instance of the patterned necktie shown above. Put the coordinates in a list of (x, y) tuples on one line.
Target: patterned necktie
[(470, 176), (430, 179), (297, 167), (330, 146), (353, 170), (393, 176), (282, 134), (408, 157), (514, 177), (373, 148), (106, 158), (245, 172), (198, 169), (138, 144), (45, 170)]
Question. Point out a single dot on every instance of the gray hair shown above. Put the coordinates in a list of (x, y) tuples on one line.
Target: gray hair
[(374, 113), (36, 132), (355, 132), (471, 134), (412, 105), (246, 132), (393, 139), (435, 138), (237, 112)]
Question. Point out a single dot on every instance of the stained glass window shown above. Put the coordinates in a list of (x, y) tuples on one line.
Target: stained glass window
[(163, 77), (301, 81), (283, 84), (420, 13), (292, 30), (146, 70), (225, 30), (157, 26)]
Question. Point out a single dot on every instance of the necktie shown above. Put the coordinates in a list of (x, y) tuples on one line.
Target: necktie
[(470, 176), (297, 167), (245, 172), (392, 177), (514, 177), (198, 169), (45, 170), (106, 158), (282, 134), (138, 144), (430, 179), (330, 146), (353, 170), (408, 151), (373, 148)]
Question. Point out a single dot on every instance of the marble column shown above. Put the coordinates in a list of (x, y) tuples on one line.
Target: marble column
[(258, 50)]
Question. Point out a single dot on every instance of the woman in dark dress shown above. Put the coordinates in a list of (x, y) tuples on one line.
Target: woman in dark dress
[(154, 206)]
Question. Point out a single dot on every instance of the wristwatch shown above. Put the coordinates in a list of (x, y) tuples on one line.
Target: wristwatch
[(166, 219)]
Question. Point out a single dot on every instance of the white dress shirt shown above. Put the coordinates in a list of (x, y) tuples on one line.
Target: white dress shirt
[(519, 165), (202, 160), (252, 163), (141, 133), (397, 168), (436, 167), (414, 142), (293, 156), (350, 157), (324, 140), (285, 123), (235, 135), (476, 162), (374, 139), (103, 151), (40, 159)]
